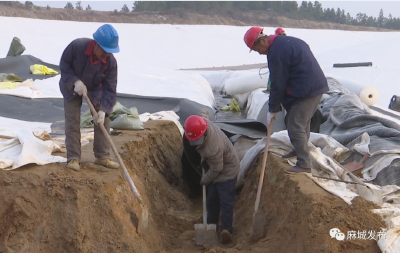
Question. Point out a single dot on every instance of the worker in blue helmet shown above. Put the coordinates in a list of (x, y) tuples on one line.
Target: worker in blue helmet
[(88, 67)]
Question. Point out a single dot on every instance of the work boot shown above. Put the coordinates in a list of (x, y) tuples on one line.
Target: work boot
[(74, 164), (298, 170), (226, 237), (107, 163), (290, 154)]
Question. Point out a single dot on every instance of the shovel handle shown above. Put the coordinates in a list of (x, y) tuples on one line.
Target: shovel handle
[(264, 163), (121, 162), (204, 203)]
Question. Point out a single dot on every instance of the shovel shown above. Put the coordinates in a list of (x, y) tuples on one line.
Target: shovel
[(143, 222), (368, 192), (258, 218), (353, 166), (205, 233)]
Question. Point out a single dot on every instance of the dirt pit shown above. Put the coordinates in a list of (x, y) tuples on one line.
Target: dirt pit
[(54, 209)]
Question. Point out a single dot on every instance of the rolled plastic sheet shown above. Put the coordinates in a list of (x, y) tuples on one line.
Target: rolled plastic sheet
[(369, 95), (245, 83)]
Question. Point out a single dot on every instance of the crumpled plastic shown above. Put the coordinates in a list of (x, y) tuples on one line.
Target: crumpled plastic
[(233, 107), (9, 77), (38, 69), (8, 85)]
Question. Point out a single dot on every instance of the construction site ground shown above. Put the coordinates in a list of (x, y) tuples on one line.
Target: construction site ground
[(54, 209)]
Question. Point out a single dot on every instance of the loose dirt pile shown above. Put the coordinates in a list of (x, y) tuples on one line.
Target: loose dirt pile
[(54, 209)]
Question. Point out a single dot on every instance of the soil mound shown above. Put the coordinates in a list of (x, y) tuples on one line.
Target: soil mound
[(54, 209)]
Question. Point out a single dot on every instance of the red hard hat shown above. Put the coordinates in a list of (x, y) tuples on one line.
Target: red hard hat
[(279, 30), (195, 127), (251, 35)]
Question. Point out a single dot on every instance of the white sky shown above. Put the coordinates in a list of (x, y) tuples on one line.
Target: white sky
[(371, 8)]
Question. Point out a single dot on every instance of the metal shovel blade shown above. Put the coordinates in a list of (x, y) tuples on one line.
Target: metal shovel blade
[(206, 234), (211, 234), (258, 224), (200, 234), (144, 221)]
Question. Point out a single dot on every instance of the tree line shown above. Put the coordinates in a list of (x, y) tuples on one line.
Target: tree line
[(307, 10)]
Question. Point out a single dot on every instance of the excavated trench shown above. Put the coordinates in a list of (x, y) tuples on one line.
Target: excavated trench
[(53, 209)]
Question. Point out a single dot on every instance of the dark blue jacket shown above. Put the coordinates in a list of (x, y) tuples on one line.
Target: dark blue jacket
[(100, 78), (294, 72)]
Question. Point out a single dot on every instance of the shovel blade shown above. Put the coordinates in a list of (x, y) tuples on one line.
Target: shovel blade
[(258, 225), (200, 234), (211, 236), (371, 193), (144, 220)]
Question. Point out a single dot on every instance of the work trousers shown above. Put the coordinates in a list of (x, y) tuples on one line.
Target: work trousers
[(299, 120), (72, 110), (221, 198)]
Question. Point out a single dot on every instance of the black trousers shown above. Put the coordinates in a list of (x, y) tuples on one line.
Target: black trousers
[(221, 198)]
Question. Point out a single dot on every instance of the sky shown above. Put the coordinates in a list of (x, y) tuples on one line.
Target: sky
[(371, 8)]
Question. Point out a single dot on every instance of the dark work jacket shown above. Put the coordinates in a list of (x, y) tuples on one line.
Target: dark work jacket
[(100, 78), (294, 73)]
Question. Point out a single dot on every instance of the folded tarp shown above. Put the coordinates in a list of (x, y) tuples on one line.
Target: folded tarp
[(20, 65), (26, 149)]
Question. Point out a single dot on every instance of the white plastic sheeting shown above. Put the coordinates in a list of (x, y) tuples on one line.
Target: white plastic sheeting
[(163, 115), (11, 127), (247, 81), (26, 149), (157, 83)]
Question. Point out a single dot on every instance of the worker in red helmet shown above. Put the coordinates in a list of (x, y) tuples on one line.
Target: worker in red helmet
[(297, 83), (280, 31), (223, 163)]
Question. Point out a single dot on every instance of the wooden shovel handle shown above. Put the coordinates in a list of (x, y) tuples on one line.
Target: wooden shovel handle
[(121, 162), (264, 163)]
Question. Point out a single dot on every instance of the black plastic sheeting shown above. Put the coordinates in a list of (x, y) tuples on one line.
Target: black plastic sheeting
[(20, 65)]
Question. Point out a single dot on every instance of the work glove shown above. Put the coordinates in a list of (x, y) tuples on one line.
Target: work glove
[(270, 117), (80, 88), (100, 117)]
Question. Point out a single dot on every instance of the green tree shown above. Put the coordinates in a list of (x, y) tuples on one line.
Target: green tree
[(29, 5), (69, 6), (125, 8), (88, 8), (78, 5), (318, 11), (381, 19)]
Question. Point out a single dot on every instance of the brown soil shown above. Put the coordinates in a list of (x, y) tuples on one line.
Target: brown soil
[(173, 17), (54, 209)]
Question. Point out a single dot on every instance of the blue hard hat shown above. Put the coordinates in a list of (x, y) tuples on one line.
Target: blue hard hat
[(107, 37)]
